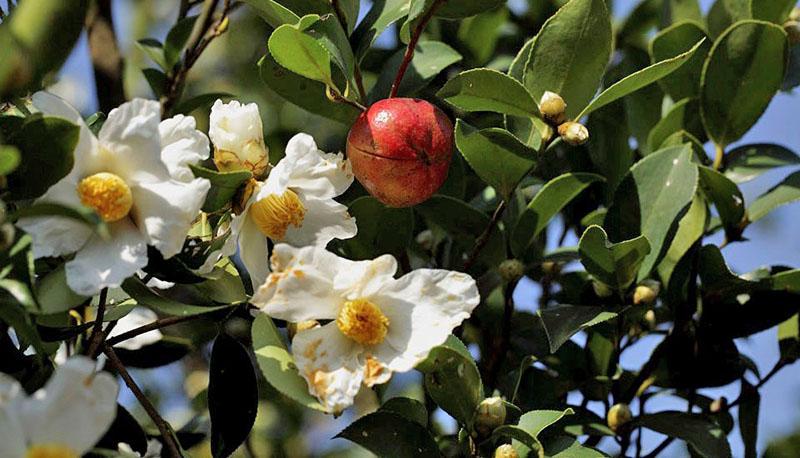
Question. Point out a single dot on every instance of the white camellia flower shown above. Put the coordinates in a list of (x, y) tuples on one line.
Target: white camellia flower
[(65, 419), (379, 325), (238, 137), (294, 205), (134, 175)]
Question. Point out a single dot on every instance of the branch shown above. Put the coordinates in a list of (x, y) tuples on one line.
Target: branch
[(158, 324), (412, 44), (106, 58), (501, 348), (97, 330), (171, 442), (483, 239), (778, 366)]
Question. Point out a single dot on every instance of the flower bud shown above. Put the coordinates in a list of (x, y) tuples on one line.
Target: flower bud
[(601, 289), (491, 414), (574, 133), (553, 107), (650, 319), (618, 416), (505, 451), (511, 270), (718, 405), (792, 29), (646, 293), (238, 137), (551, 268)]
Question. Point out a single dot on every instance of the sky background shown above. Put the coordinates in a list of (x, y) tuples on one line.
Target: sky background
[(773, 240)]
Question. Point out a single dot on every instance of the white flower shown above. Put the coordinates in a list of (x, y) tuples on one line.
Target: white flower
[(380, 324), (294, 205), (153, 450), (238, 137), (65, 419), (146, 198)]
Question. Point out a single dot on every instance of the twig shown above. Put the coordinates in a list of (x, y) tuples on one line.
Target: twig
[(664, 444), (335, 96), (171, 442), (501, 347), (158, 324), (778, 366), (483, 239), (97, 330), (412, 44), (106, 59)]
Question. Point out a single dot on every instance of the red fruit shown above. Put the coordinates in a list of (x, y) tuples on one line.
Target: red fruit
[(400, 150)]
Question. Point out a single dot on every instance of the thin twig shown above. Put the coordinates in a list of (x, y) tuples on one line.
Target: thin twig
[(483, 239), (158, 324), (501, 347), (97, 330), (412, 44), (171, 442), (778, 366), (664, 444)]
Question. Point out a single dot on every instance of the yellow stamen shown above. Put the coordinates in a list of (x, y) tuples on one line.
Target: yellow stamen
[(274, 213), (50, 451), (107, 194), (363, 321)]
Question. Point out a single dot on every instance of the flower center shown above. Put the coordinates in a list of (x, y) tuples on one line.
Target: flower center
[(274, 213), (107, 194), (363, 321), (50, 451)]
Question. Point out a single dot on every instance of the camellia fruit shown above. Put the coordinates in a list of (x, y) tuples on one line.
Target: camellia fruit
[(400, 150)]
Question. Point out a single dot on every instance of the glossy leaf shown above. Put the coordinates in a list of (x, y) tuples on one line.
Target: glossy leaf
[(570, 54), (409, 408), (176, 41), (561, 322), (743, 72), (146, 297), (785, 192), (382, 14), (683, 116), (154, 50), (54, 295), (776, 11), (704, 435), (389, 434), (789, 339), (748, 418), (615, 264), (457, 9), (381, 229), (674, 40), (724, 13), (430, 59), (273, 12), (728, 199), (224, 186), (495, 155), (748, 162), (550, 200), (482, 89), (301, 54), (690, 228), (9, 159)]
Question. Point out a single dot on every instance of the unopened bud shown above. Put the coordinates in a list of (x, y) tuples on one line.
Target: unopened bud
[(650, 319), (618, 416), (551, 268), (491, 414), (795, 14), (718, 405), (511, 270), (425, 239), (646, 293), (505, 451), (237, 133), (792, 29), (553, 107), (601, 289), (574, 133)]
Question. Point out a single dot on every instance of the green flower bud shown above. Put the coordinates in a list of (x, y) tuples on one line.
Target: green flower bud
[(511, 270), (574, 133), (618, 416), (505, 451), (553, 107), (491, 414)]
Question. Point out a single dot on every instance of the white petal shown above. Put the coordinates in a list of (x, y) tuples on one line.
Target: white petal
[(253, 250), (314, 172), (56, 235), (75, 407), (12, 434), (182, 144), (106, 263), (165, 210), (130, 142), (325, 220), (53, 105), (300, 286), (10, 389), (423, 308), (365, 278), (232, 124), (329, 362), (137, 317)]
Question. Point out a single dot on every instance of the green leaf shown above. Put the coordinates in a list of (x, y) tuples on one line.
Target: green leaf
[(153, 49), (728, 199), (409, 408), (776, 11), (690, 228), (480, 34), (464, 223), (199, 101), (497, 157), (54, 295), (743, 72), (232, 395), (46, 145), (303, 92), (674, 40), (146, 297), (640, 79), (681, 10), (724, 13), (535, 421), (683, 116), (785, 192), (223, 186), (551, 199), (350, 10), (95, 122), (650, 199), (273, 12), (747, 162), (430, 58), (156, 79), (391, 435), (9, 159), (458, 9), (748, 417), (382, 14), (570, 54), (80, 214), (482, 89), (452, 380), (301, 54), (328, 33), (176, 41), (381, 229), (614, 264), (561, 322), (277, 364), (789, 339), (569, 447), (707, 438), (792, 78)]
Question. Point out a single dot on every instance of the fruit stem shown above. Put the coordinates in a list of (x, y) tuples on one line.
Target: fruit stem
[(412, 44)]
